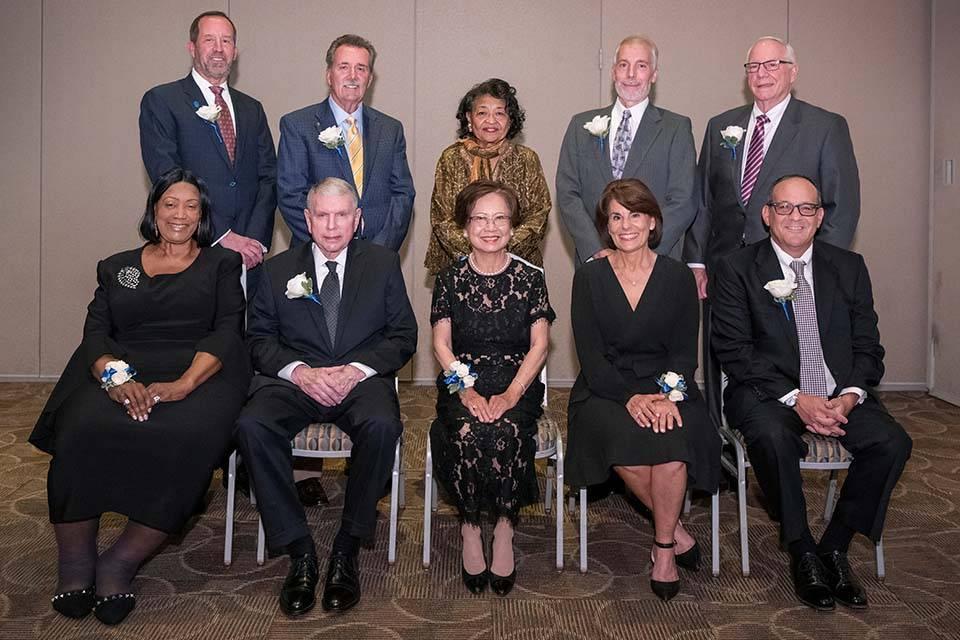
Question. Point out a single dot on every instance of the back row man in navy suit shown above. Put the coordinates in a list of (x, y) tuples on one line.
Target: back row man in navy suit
[(343, 138), (202, 124)]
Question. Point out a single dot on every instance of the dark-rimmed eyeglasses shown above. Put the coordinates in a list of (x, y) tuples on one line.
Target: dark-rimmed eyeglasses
[(769, 65), (784, 208)]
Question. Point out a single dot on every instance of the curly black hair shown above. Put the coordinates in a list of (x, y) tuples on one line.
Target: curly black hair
[(495, 88)]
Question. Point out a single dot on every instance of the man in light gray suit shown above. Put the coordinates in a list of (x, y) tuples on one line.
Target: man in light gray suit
[(629, 139)]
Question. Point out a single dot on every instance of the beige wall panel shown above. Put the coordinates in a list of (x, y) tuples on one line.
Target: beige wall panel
[(20, 187), (548, 51), (702, 49), (870, 61), (945, 261), (98, 60)]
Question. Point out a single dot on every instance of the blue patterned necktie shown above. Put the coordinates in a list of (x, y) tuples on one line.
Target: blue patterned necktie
[(813, 378), (621, 145), (330, 297)]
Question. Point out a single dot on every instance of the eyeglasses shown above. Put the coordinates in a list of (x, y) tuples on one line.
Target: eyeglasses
[(769, 65), (786, 208), (499, 220)]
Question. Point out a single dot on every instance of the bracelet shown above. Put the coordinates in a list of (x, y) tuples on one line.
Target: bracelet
[(523, 387), (116, 373)]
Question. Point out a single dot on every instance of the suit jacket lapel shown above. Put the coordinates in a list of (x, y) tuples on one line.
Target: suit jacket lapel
[(371, 143), (736, 163), (647, 132), (768, 268), (325, 120), (352, 277), (307, 264), (824, 290), (195, 99), (243, 117), (783, 139)]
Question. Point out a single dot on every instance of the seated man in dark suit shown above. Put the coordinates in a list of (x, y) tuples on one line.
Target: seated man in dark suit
[(795, 330), (328, 326)]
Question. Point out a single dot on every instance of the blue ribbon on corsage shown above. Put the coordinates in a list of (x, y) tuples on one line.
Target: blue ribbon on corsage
[(460, 376), (674, 385)]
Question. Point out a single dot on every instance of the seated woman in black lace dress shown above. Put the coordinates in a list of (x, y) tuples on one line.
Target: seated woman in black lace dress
[(144, 411), (491, 319)]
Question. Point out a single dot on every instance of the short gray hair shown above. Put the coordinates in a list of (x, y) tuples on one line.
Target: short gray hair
[(333, 187), (791, 54), (645, 41), (351, 40)]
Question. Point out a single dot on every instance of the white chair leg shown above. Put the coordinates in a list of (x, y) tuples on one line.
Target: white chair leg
[(572, 504), (436, 490), (559, 506), (547, 502), (394, 504), (742, 510), (261, 542), (231, 502), (881, 564), (686, 504), (583, 529), (715, 532), (831, 494), (428, 502)]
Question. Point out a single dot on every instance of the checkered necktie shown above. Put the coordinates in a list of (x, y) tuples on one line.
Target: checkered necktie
[(225, 122), (330, 297), (754, 159), (355, 149), (813, 378), (621, 145)]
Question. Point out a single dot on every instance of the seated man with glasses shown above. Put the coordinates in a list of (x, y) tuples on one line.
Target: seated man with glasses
[(795, 330)]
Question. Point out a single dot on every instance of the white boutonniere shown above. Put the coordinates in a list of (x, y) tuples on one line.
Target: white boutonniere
[(732, 136), (300, 286), (209, 113), (116, 373), (458, 376), (332, 137), (783, 291), (673, 385), (599, 127)]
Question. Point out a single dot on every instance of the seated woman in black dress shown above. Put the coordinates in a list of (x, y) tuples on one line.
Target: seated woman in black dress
[(635, 322), (143, 413), (491, 319)]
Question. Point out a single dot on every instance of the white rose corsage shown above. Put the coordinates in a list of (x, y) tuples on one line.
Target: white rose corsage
[(732, 136), (458, 376), (300, 286), (332, 138), (210, 115), (115, 374), (599, 127), (673, 385), (783, 291)]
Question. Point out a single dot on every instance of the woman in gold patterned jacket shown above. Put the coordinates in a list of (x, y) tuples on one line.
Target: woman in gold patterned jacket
[(490, 118)]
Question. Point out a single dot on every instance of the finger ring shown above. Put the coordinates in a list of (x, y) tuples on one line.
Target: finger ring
[(156, 398), (126, 401)]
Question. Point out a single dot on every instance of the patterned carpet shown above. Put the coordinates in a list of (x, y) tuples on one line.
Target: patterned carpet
[(186, 592)]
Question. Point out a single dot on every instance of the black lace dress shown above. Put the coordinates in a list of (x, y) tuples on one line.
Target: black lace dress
[(488, 467)]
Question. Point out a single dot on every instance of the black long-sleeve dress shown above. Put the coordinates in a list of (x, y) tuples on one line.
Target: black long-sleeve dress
[(622, 352), (155, 472)]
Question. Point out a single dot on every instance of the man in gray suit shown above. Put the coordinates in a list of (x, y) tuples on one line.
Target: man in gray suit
[(629, 139), (744, 151)]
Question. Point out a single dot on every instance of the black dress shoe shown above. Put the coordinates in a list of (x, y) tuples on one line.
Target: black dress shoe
[(666, 589), (298, 593), (847, 589), (114, 609), (690, 559), (502, 585), (811, 582), (342, 588), (311, 492), (74, 604), (475, 582)]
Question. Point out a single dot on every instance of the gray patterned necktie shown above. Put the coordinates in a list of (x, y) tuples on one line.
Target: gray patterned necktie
[(330, 297), (621, 145), (813, 378)]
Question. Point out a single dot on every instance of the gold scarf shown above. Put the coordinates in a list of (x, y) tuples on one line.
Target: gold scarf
[(480, 167)]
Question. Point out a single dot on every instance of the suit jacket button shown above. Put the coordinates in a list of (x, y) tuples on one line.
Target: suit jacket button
[(233, 183)]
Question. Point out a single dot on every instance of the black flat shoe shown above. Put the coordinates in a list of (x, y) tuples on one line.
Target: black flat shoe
[(665, 590), (690, 559), (847, 589), (298, 593), (502, 585), (114, 609), (475, 582), (811, 582), (342, 588), (74, 604)]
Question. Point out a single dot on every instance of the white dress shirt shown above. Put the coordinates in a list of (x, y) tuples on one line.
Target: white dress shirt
[(776, 115), (616, 115), (211, 99), (785, 259), (320, 268), (340, 116)]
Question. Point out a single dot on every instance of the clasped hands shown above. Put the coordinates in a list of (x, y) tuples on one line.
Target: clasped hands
[(653, 410), (492, 408), (327, 385), (138, 400), (824, 416)]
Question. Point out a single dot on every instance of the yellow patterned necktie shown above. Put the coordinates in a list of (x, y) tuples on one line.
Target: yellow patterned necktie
[(355, 149)]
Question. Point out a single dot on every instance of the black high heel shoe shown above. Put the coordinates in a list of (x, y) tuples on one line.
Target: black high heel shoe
[(74, 604), (114, 609), (474, 582), (690, 559), (665, 590), (502, 585)]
